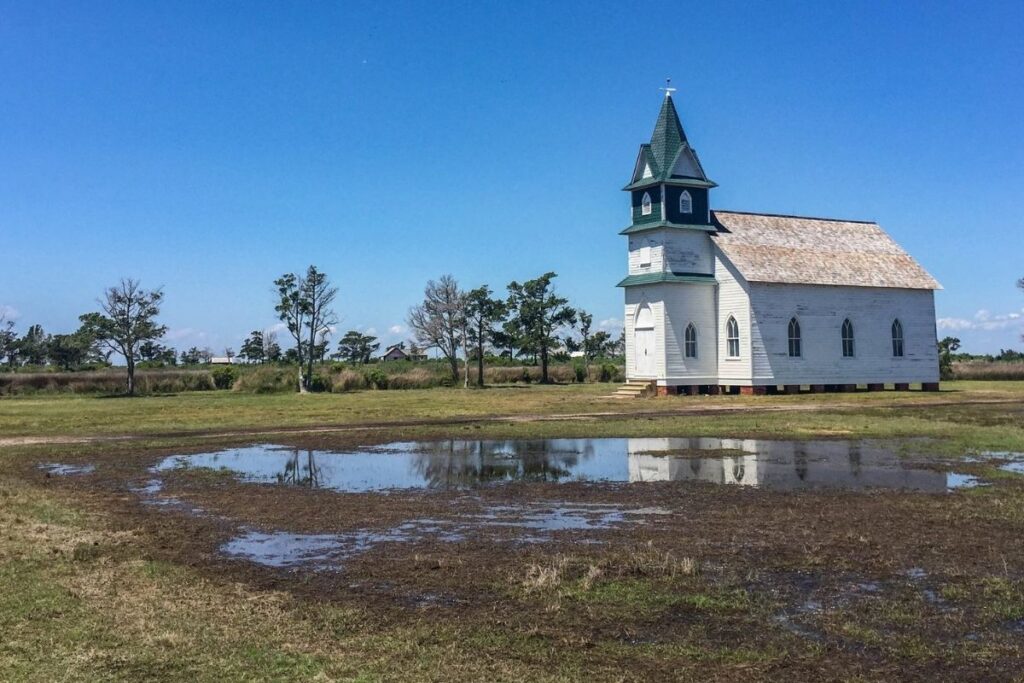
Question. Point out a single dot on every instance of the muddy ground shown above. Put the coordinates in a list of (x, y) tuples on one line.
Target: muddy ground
[(697, 581)]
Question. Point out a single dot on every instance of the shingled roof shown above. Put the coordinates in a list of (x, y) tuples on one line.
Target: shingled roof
[(816, 251)]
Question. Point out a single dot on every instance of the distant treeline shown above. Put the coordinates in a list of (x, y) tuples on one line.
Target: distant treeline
[(531, 324)]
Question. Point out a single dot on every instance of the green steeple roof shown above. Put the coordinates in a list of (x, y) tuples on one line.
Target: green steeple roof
[(669, 155), (668, 135)]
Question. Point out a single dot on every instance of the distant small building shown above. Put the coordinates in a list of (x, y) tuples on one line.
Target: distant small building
[(398, 352), (222, 360)]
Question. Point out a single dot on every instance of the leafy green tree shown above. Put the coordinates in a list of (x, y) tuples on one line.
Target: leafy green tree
[(196, 356), (305, 307), (439, 321), (157, 354), (947, 347), (482, 313), (539, 313), (33, 345), (252, 348), (8, 342), (600, 344), (72, 351), (357, 347), (127, 320)]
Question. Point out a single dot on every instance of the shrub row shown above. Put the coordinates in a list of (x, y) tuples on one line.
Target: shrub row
[(988, 370), (104, 382), (281, 379)]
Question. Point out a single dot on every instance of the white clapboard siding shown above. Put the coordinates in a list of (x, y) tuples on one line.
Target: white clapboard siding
[(733, 300), (680, 251), (820, 311), (687, 303), (635, 298)]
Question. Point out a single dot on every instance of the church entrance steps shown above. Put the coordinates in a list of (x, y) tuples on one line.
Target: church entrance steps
[(636, 388)]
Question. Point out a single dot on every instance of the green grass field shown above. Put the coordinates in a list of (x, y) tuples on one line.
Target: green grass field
[(94, 586)]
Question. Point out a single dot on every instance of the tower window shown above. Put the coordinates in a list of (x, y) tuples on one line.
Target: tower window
[(690, 341), (645, 204), (847, 339), (897, 338), (732, 338), (685, 202), (645, 255), (794, 338)]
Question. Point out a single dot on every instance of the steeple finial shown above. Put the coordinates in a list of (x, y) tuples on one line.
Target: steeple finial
[(668, 88)]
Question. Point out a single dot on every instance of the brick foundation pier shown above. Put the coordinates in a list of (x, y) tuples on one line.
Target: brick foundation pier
[(876, 387), (930, 386)]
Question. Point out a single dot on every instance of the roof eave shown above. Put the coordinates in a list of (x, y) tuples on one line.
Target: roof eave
[(664, 225)]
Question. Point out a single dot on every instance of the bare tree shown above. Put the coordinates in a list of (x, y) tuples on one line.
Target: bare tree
[(128, 319), (438, 321)]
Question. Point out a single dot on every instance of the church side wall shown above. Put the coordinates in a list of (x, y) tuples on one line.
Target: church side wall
[(734, 300), (687, 303), (820, 311)]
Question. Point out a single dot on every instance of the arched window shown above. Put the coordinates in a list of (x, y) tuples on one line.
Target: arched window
[(897, 338), (732, 338), (645, 204), (847, 339), (794, 338), (690, 341), (685, 202)]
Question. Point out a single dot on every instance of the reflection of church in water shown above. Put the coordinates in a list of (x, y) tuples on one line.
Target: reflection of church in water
[(777, 465)]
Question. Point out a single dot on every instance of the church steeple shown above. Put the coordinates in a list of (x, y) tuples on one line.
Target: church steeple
[(668, 136), (669, 186)]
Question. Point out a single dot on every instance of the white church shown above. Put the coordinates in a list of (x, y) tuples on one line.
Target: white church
[(730, 301)]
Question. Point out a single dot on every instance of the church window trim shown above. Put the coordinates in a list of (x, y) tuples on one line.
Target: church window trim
[(646, 206), (848, 339), (732, 338), (690, 341), (685, 202), (898, 345), (795, 339)]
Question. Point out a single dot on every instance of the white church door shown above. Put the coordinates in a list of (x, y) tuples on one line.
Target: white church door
[(643, 343)]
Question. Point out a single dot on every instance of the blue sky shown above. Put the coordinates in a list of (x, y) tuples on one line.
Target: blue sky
[(210, 147)]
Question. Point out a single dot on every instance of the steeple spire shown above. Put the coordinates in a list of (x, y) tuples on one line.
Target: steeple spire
[(668, 134)]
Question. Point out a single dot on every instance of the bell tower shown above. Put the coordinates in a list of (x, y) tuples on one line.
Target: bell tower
[(670, 286)]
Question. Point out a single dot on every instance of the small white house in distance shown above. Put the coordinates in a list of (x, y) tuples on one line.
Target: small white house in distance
[(222, 360), (751, 303), (398, 352)]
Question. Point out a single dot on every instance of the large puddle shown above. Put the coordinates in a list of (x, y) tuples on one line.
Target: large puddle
[(459, 464)]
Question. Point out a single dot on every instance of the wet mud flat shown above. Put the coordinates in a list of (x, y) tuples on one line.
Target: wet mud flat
[(808, 560)]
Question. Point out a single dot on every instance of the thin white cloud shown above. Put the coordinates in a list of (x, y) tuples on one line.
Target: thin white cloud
[(610, 325), (185, 333), (397, 329), (984, 320), (9, 312)]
